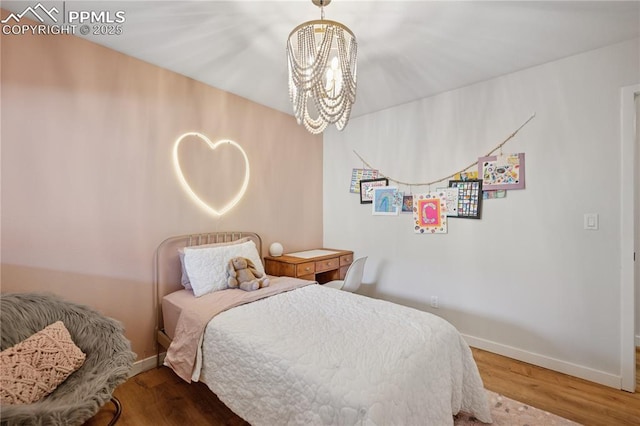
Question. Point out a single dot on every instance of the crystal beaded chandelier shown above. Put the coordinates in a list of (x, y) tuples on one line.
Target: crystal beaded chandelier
[(322, 72)]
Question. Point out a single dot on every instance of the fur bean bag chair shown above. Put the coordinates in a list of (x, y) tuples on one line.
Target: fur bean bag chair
[(108, 358)]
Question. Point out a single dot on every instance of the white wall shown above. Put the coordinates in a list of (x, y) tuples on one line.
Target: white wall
[(526, 280), (88, 186)]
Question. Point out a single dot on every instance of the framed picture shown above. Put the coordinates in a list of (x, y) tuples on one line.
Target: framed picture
[(366, 188), (502, 172), (385, 201), (469, 197)]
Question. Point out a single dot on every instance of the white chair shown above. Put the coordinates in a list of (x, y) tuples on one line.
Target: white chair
[(353, 277)]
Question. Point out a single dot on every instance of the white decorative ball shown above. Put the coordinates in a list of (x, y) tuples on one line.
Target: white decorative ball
[(276, 249)]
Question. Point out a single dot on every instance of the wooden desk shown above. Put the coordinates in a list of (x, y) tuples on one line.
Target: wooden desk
[(315, 265)]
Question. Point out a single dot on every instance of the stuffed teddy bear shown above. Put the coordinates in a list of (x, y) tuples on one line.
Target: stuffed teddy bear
[(242, 273)]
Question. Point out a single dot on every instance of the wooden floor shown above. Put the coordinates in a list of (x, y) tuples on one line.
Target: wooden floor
[(158, 397), (575, 399)]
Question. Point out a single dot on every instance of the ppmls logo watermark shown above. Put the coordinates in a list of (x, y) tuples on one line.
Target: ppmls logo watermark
[(54, 20)]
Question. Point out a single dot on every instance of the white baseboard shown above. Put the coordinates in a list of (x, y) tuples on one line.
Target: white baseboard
[(146, 364), (637, 341), (571, 369)]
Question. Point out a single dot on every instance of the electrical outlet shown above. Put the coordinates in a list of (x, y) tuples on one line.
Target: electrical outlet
[(434, 302)]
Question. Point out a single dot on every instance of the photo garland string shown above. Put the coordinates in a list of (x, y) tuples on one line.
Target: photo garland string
[(462, 198), (453, 175)]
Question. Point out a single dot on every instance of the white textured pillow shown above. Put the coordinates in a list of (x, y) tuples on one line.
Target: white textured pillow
[(206, 267), (185, 277)]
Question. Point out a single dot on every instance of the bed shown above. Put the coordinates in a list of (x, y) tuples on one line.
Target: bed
[(296, 352)]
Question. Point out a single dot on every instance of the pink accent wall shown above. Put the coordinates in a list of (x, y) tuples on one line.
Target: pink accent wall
[(88, 186)]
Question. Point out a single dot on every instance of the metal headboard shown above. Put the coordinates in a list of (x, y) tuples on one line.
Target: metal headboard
[(169, 270)]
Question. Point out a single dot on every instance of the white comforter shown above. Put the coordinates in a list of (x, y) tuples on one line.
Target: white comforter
[(319, 356)]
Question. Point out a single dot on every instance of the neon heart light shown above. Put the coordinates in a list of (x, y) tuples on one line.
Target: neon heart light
[(213, 146)]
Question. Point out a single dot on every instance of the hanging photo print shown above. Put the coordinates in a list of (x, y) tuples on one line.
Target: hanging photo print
[(366, 188), (490, 195), (466, 175), (502, 171), (397, 199), (469, 197), (407, 204), (429, 213), (451, 195), (385, 201), (359, 174)]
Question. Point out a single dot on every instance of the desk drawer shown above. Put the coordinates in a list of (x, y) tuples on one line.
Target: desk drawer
[(305, 269), (327, 265), (346, 259), (279, 269)]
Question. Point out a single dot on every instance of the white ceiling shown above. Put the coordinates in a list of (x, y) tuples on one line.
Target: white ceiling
[(407, 50)]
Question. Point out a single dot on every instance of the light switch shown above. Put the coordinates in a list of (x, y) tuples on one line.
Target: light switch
[(591, 221)]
